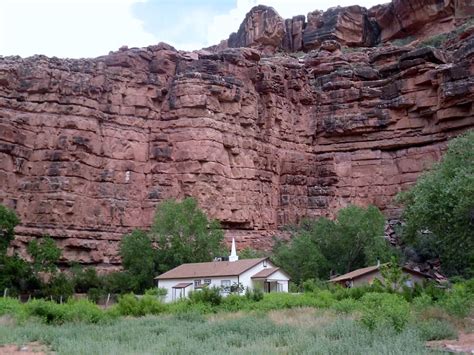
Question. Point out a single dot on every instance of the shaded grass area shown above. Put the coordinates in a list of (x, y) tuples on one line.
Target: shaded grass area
[(297, 331)]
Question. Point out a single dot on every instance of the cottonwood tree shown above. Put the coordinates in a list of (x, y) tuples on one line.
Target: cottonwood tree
[(138, 259), (439, 209), (353, 240), (184, 234), (8, 222), (45, 254)]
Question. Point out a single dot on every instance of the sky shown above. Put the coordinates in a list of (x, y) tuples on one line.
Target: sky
[(90, 28)]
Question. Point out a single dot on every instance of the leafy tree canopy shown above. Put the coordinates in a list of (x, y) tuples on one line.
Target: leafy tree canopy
[(439, 209), (45, 254), (184, 234), (353, 240), (8, 221), (250, 253), (138, 258)]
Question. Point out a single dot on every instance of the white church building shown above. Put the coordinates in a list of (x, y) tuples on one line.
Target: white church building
[(224, 274)]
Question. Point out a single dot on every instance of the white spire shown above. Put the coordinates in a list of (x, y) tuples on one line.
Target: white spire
[(233, 253)]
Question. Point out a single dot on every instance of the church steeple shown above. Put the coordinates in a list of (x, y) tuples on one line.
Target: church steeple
[(233, 252)]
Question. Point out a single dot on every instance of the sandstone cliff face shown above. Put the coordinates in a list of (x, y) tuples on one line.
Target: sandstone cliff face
[(89, 147), (354, 26)]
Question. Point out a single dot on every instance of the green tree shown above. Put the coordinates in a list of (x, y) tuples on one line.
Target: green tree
[(16, 275), (301, 258), (353, 240), (45, 254), (8, 222), (393, 275), (439, 209), (184, 234), (250, 253), (138, 259)]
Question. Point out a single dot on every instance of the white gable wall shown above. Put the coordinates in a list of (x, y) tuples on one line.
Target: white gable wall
[(246, 277)]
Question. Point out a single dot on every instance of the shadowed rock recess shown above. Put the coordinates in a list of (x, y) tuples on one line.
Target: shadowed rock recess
[(285, 119)]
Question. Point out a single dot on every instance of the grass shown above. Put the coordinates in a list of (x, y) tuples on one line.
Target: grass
[(338, 321), (296, 331)]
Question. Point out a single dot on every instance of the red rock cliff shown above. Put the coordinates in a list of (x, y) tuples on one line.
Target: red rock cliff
[(89, 147)]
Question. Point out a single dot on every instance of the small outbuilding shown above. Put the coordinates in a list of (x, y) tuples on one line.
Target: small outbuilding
[(367, 275), (231, 275)]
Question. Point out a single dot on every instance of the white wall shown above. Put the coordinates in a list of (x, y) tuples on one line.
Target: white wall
[(246, 277), (168, 284), (281, 278)]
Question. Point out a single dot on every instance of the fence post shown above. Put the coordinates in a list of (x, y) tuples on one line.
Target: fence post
[(61, 300), (107, 301), (5, 291)]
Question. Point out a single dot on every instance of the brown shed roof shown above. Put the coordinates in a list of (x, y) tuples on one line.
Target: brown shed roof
[(367, 270), (265, 273), (355, 274), (211, 269)]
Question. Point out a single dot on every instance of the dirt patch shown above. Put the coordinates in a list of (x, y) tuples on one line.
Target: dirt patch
[(7, 320), (464, 344), (34, 348)]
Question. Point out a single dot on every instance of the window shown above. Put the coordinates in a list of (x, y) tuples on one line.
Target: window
[(197, 283), (207, 281), (225, 285)]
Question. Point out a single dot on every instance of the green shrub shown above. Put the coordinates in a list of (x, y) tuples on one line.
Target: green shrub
[(157, 291), (345, 306), (83, 311), (433, 290), (422, 302), (384, 308), (234, 303), (458, 301), (255, 294), (356, 293), (119, 283), (17, 275), (46, 311), (85, 279), (323, 299), (60, 287), (435, 329), (210, 295), (9, 306), (95, 294), (130, 305), (312, 285), (151, 305)]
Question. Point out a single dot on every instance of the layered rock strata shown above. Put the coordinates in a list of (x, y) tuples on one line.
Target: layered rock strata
[(353, 26), (89, 147)]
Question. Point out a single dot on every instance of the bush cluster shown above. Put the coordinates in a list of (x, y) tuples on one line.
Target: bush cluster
[(379, 309)]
